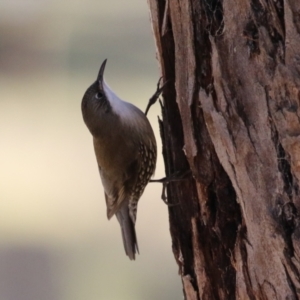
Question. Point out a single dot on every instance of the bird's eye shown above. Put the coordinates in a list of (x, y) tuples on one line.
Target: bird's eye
[(99, 95)]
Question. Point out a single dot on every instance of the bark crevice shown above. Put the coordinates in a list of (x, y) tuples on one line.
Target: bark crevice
[(231, 115)]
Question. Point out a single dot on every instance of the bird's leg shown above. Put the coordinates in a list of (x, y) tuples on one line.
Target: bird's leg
[(156, 95), (177, 176)]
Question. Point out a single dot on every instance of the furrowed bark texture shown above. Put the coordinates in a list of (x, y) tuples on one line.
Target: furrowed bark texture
[(231, 116)]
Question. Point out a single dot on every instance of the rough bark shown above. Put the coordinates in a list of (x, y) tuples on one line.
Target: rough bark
[(231, 116)]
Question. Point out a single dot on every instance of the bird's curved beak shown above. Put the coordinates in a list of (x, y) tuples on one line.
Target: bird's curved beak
[(100, 74)]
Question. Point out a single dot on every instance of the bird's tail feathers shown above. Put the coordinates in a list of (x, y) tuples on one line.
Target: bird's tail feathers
[(128, 231)]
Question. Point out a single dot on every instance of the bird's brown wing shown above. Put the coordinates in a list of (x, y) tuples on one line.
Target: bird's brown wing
[(117, 193)]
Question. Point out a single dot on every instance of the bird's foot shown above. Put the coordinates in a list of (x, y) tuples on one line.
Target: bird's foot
[(177, 176), (156, 95)]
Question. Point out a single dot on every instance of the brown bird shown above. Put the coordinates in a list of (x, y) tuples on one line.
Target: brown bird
[(125, 149)]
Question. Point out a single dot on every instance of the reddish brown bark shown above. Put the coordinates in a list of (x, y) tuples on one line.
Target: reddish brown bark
[(231, 116)]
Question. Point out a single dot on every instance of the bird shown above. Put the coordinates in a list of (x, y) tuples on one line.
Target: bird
[(126, 153)]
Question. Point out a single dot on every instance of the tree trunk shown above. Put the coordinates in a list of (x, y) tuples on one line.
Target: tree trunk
[(231, 116)]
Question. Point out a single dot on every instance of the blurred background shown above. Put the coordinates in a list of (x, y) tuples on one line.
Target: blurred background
[(55, 240)]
